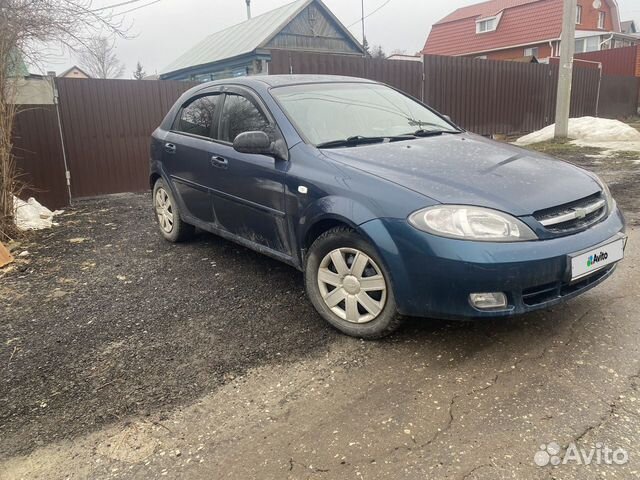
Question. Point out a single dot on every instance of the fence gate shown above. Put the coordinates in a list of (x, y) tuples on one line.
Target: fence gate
[(107, 126)]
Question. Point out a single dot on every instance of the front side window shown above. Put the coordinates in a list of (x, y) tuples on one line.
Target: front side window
[(330, 112), (240, 115), (197, 117)]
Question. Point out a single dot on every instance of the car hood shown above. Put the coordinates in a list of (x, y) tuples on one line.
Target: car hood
[(468, 169)]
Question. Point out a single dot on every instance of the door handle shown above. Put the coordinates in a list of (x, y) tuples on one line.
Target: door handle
[(170, 148), (219, 162)]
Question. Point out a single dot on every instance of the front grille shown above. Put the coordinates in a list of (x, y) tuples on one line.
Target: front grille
[(573, 216), (551, 291)]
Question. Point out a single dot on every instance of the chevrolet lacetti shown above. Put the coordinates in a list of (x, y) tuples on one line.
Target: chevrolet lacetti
[(388, 208)]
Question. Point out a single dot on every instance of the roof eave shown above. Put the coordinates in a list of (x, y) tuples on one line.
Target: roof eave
[(203, 66), (497, 49)]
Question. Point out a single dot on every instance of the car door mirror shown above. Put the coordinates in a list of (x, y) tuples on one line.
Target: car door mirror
[(447, 118), (257, 143)]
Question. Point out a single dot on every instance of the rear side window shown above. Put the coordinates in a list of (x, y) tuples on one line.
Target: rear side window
[(241, 115), (197, 118)]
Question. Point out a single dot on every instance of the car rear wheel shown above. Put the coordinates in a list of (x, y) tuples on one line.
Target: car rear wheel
[(172, 227), (349, 286)]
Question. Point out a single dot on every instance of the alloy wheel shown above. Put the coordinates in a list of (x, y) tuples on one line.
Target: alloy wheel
[(352, 285), (164, 210)]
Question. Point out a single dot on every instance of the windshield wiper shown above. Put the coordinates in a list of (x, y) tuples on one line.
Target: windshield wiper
[(360, 140), (432, 133)]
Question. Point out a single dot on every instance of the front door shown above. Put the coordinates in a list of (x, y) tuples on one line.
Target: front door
[(249, 189)]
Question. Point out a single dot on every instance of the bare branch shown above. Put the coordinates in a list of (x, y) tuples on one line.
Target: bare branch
[(99, 59), (28, 29)]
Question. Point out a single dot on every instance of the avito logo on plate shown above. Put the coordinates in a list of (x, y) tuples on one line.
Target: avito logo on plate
[(593, 259)]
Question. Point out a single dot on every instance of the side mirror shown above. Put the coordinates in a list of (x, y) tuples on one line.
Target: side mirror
[(447, 118), (257, 143)]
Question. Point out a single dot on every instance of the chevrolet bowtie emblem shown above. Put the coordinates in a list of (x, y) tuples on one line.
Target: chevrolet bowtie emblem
[(580, 212)]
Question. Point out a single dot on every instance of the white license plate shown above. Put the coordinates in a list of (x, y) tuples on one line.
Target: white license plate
[(596, 259)]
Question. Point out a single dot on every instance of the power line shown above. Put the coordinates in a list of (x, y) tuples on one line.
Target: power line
[(138, 8), (367, 16), (116, 5)]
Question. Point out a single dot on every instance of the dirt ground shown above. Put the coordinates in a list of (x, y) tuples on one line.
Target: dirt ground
[(123, 356)]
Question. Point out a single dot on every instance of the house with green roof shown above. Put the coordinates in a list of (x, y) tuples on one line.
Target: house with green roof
[(17, 67), (244, 49)]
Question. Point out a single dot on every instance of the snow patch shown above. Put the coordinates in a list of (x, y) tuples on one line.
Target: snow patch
[(609, 135)]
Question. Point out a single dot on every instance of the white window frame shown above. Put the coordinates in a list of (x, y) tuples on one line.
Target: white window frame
[(532, 52), (579, 15), (602, 20), (484, 21)]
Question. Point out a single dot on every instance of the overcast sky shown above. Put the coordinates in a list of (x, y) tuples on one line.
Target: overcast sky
[(163, 31)]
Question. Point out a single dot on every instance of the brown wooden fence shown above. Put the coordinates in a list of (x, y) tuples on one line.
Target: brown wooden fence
[(38, 152), (402, 74), (107, 126), (489, 97), (618, 96), (616, 61)]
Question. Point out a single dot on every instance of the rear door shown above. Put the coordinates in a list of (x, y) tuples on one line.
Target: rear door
[(249, 189), (188, 149)]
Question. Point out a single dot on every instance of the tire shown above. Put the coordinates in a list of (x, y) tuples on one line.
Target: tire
[(167, 214), (328, 281)]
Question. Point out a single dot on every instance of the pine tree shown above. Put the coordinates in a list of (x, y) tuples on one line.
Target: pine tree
[(139, 73), (367, 49)]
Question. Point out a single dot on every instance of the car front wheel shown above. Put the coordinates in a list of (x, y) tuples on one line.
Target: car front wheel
[(349, 286)]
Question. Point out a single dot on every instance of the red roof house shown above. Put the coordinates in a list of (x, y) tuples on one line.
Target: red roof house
[(511, 29)]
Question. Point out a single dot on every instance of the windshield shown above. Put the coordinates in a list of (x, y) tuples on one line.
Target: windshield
[(329, 113)]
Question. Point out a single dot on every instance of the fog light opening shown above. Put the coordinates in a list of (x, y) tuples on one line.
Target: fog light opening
[(489, 301)]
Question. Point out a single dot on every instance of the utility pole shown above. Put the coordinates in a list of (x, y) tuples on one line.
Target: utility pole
[(364, 38), (567, 49), (248, 9)]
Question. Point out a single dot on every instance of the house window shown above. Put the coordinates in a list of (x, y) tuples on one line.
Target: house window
[(487, 25), (602, 16), (579, 15), (531, 52), (591, 44), (481, 57)]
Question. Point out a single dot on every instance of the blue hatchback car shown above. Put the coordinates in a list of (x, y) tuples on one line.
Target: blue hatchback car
[(387, 207)]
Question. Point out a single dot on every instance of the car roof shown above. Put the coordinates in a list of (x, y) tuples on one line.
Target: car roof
[(284, 80)]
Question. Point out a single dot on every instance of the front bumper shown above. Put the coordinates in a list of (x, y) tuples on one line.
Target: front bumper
[(434, 276)]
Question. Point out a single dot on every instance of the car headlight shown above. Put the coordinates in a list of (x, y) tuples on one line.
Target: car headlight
[(471, 223), (611, 202)]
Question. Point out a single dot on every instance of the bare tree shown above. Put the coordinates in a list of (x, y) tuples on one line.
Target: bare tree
[(378, 52), (27, 28), (99, 59), (139, 72)]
